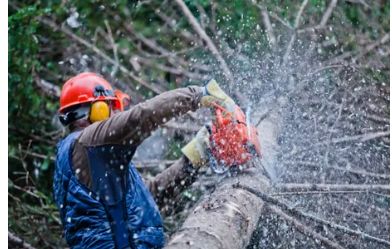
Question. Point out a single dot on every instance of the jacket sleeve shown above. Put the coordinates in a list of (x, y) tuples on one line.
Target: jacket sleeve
[(172, 181), (134, 125)]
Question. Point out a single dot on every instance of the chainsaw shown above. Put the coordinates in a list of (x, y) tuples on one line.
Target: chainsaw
[(233, 139)]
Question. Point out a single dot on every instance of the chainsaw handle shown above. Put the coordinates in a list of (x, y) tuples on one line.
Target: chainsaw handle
[(220, 119), (218, 107)]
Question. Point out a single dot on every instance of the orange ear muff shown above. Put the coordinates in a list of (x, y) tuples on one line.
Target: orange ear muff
[(99, 111)]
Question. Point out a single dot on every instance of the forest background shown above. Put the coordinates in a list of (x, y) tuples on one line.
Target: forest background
[(330, 59)]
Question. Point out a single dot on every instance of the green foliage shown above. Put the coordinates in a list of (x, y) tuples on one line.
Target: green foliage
[(29, 113), (353, 14)]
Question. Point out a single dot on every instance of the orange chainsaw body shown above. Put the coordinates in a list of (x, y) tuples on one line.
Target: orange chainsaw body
[(233, 143)]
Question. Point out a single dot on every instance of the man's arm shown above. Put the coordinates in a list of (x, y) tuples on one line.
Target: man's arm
[(134, 125), (172, 181)]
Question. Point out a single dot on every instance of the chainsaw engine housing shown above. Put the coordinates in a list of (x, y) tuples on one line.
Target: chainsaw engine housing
[(233, 141)]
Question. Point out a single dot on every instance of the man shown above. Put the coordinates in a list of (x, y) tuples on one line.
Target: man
[(102, 200)]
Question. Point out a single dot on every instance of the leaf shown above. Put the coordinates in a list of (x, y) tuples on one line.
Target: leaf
[(10, 184), (45, 164)]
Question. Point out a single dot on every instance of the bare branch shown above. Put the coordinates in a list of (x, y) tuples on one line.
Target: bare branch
[(40, 156), (276, 17), (327, 13), (16, 241), (329, 187), (362, 2), (350, 170), (267, 24), (333, 192), (304, 229), (25, 190), (268, 27), (188, 36), (361, 172), (301, 10), (296, 212), (173, 59), (49, 88), (211, 46), (174, 70), (99, 52), (341, 228), (372, 46), (357, 138), (357, 55), (114, 47), (294, 35)]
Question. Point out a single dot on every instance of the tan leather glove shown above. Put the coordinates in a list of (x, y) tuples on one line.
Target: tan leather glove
[(195, 150), (212, 93)]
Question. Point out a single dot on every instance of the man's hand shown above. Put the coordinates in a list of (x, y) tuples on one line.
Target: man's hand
[(195, 150), (213, 94)]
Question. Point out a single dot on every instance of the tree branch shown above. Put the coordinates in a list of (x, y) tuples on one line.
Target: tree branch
[(333, 192), (267, 24), (99, 52), (18, 241), (331, 187), (357, 55), (327, 13), (114, 47), (211, 46), (294, 211), (350, 170), (360, 138), (47, 87), (294, 34), (305, 229)]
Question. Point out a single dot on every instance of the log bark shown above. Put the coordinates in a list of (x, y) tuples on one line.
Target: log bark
[(228, 217)]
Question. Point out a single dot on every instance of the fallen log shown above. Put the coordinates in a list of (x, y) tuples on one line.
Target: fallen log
[(226, 218)]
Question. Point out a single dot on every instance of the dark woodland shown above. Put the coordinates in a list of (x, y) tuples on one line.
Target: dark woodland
[(313, 75)]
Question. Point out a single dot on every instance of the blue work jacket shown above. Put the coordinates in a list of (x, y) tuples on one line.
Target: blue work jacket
[(118, 211)]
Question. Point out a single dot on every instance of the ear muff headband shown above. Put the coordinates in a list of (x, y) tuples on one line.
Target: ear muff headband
[(99, 111)]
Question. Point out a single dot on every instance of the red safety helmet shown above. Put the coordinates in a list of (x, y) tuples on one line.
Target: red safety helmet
[(85, 88)]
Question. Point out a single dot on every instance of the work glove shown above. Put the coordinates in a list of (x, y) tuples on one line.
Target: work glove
[(196, 149), (212, 93)]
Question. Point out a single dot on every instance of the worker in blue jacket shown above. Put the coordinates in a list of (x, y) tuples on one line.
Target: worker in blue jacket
[(102, 199)]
